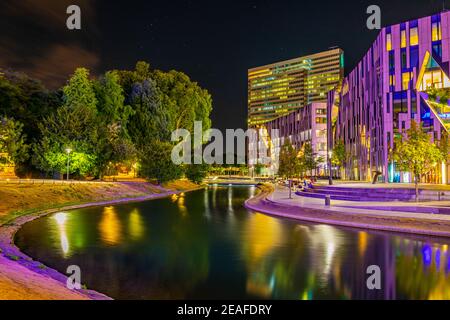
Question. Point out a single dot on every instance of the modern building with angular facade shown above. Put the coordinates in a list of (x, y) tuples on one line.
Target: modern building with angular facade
[(400, 79)]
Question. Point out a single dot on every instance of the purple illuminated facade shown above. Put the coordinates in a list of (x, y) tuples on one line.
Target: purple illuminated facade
[(305, 125), (386, 90)]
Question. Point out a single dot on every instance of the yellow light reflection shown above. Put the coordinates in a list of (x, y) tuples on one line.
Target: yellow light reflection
[(61, 219), (136, 226), (181, 205), (230, 200), (362, 243), (110, 227), (263, 234)]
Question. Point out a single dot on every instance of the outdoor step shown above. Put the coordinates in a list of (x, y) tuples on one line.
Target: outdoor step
[(369, 190), (338, 197), (415, 209), (362, 194), (382, 190), (400, 194)]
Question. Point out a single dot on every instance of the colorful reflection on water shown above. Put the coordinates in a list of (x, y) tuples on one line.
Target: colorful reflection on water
[(205, 245)]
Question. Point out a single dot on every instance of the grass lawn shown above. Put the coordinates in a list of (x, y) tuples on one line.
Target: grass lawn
[(17, 200)]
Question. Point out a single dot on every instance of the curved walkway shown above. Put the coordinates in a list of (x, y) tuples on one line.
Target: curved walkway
[(276, 202)]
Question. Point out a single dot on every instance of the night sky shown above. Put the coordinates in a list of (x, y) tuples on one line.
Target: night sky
[(214, 41)]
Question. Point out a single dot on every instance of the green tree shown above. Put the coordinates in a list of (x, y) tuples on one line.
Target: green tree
[(309, 158), (27, 101), (444, 146), (111, 100), (259, 167), (12, 142), (288, 163), (79, 92), (74, 128), (156, 163), (197, 172), (113, 144), (340, 155), (415, 153), (184, 99), (127, 78), (150, 120), (75, 125)]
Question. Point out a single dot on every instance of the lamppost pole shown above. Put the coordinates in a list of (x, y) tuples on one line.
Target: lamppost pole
[(68, 150), (330, 169)]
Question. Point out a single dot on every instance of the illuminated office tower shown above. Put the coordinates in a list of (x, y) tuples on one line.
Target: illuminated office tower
[(280, 88)]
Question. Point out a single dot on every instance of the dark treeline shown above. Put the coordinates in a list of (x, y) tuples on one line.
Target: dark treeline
[(123, 117)]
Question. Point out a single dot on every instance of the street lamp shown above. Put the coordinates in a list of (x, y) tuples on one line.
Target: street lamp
[(68, 151), (330, 169)]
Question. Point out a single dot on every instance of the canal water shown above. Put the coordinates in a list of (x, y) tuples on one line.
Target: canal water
[(206, 245)]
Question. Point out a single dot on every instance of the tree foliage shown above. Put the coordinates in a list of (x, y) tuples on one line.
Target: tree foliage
[(288, 160), (74, 125), (158, 163), (79, 92), (12, 142), (415, 153), (73, 128), (309, 158), (150, 120), (444, 146), (27, 101), (197, 172), (339, 155), (123, 117), (113, 142), (185, 100)]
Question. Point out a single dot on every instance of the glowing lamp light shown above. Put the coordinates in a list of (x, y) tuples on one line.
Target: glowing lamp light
[(61, 218)]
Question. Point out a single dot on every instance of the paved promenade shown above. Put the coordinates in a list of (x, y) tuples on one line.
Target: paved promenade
[(366, 185), (281, 196), (277, 203)]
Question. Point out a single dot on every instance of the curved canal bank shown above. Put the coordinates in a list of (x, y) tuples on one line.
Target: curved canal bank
[(280, 206), (23, 278)]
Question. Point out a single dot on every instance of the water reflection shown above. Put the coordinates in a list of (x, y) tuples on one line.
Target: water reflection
[(205, 245), (61, 219), (110, 227), (136, 225), (424, 272)]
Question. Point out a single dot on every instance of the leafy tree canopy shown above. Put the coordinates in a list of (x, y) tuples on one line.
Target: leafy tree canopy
[(288, 161), (79, 91), (157, 163), (414, 152), (12, 141)]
